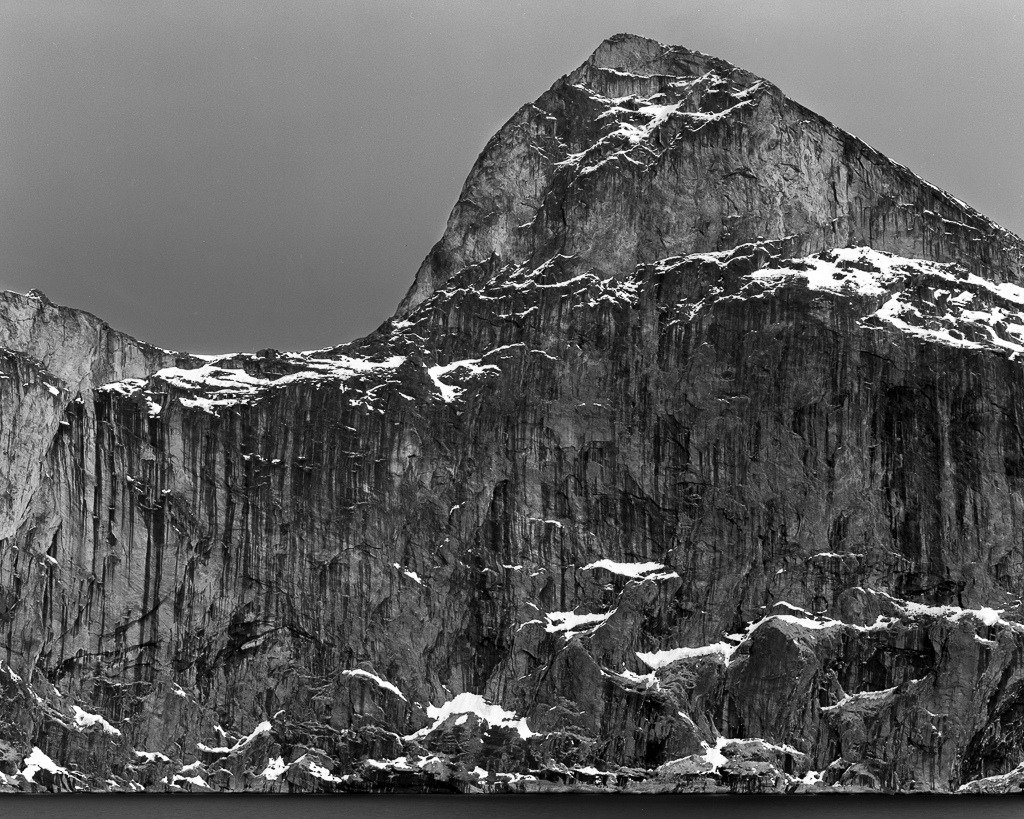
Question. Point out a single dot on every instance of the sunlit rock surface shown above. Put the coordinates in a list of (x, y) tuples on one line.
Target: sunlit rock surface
[(691, 462)]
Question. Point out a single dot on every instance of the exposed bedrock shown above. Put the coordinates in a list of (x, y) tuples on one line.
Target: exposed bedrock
[(709, 478)]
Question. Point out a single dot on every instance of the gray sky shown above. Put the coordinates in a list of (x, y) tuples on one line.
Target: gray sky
[(223, 175)]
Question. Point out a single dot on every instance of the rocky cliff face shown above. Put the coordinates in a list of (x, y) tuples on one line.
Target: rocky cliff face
[(692, 461), (649, 151)]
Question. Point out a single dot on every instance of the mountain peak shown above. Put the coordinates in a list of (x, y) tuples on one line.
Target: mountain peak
[(648, 150), (623, 49), (695, 465), (644, 57)]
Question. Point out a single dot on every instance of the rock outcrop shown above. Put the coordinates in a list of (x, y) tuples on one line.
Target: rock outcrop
[(691, 462)]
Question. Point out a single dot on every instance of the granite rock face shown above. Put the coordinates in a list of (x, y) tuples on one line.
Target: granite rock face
[(691, 462), (647, 151)]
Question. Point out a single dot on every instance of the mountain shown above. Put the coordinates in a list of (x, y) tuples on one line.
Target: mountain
[(692, 461)]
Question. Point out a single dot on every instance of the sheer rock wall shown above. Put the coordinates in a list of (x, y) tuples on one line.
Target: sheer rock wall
[(643, 488)]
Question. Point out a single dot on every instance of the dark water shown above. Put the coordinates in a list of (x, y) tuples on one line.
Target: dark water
[(478, 807)]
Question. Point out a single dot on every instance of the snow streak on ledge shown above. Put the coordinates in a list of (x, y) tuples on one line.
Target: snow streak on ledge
[(934, 302)]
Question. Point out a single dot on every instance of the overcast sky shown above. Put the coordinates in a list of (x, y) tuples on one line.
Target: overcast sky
[(221, 175)]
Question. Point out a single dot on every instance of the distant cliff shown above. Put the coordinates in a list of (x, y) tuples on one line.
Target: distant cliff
[(692, 461)]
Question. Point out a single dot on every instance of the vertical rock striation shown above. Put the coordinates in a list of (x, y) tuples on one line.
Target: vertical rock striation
[(691, 461)]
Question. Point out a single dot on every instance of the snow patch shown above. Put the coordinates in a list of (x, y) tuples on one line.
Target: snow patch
[(713, 755), (569, 621), (83, 719), (985, 615), (473, 368), (211, 386), (263, 728), (838, 555), (488, 713), (37, 761), (665, 657), (275, 769), (195, 781), (152, 756), (910, 305), (646, 681), (631, 569), (378, 681), (802, 622), (409, 573), (861, 697)]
